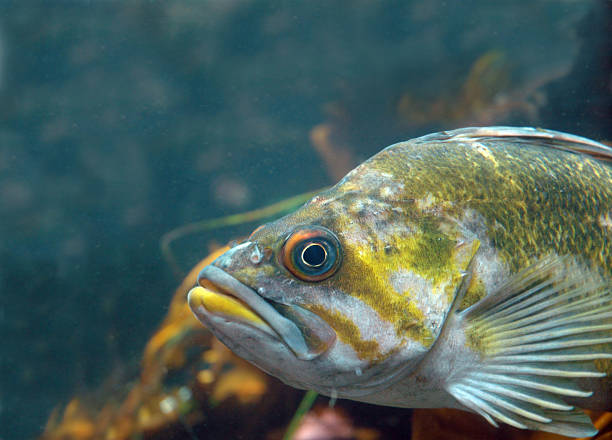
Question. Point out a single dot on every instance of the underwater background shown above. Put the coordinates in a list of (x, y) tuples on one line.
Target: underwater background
[(120, 121)]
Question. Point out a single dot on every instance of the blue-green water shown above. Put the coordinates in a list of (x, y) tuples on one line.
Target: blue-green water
[(122, 120)]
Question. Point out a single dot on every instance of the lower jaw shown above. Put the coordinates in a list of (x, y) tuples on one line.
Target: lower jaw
[(304, 333)]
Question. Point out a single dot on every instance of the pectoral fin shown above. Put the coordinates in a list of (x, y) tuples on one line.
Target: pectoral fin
[(533, 339)]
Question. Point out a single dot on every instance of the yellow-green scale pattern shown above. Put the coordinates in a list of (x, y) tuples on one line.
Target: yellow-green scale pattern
[(536, 201)]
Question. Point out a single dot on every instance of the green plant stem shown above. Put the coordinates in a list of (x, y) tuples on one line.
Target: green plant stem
[(304, 407)]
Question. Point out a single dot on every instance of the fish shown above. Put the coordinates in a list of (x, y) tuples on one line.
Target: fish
[(467, 269)]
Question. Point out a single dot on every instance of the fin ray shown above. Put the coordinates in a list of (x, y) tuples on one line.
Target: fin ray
[(534, 136), (534, 336), (552, 334), (523, 410), (543, 370), (517, 393), (491, 409), (524, 325), (469, 401), (550, 385)]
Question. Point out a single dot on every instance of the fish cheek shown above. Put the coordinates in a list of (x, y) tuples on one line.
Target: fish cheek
[(365, 277), (358, 327), (349, 333)]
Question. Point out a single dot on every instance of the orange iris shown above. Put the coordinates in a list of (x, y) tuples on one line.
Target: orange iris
[(312, 253)]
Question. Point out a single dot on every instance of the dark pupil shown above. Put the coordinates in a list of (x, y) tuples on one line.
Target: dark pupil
[(314, 255)]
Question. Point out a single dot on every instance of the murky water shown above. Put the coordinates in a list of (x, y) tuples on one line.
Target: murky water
[(120, 121)]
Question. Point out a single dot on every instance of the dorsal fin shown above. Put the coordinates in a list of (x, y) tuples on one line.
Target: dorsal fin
[(535, 136)]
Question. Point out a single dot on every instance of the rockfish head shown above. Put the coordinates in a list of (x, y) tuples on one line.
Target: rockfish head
[(341, 296)]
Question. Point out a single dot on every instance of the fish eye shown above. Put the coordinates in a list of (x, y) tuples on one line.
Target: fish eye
[(312, 253)]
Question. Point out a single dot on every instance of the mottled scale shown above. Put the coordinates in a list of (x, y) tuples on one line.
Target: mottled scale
[(535, 199)]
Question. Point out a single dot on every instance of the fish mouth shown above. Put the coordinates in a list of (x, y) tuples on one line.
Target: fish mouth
[(220, 294)]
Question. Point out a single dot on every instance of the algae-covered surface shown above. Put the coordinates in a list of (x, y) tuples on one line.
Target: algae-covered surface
[(120, 121)]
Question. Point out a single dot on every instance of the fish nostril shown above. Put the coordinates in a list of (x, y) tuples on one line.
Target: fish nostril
[(256, 256)]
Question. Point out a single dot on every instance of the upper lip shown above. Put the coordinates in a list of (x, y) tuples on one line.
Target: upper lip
[(286, 329)]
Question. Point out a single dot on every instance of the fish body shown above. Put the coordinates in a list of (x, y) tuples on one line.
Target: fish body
[(468, 269)]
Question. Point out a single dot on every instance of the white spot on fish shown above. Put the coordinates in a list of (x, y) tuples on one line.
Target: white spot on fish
[(316, 199), (432, 302), (356, 206), (426, 203), (605, 221), (386, 192), (488, 266), (485, 152)]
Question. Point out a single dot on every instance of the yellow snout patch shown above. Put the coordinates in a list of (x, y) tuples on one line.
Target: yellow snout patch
[(225, 305)]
